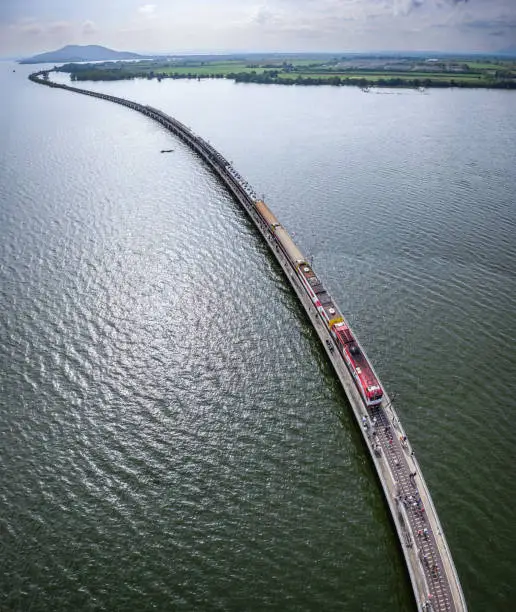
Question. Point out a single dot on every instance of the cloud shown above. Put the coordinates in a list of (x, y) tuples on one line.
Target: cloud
[(32, 29), (263, 15), (488, 24), (148, 10), (330, 15), (36, 28), (406, 7), (88, 28), (59, 27), (289, 25), (339, 25)]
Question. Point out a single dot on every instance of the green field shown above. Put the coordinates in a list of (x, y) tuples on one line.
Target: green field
[(222, 68)]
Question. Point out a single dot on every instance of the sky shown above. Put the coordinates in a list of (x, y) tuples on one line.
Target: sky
[(182, 26)]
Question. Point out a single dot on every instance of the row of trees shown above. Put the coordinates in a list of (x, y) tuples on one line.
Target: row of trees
[(273, 77)]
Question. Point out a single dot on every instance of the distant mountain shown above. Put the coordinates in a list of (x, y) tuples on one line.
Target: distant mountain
[(80, 53)]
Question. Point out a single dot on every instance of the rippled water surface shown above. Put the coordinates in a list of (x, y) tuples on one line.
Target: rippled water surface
[(172, 435)]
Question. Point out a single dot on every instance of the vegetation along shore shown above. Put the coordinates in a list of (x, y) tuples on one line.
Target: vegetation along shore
[(362, 71)]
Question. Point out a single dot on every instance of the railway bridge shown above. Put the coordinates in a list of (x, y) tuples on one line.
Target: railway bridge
[(432, 573)]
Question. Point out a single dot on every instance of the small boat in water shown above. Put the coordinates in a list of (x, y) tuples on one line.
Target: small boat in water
[(167, 150)]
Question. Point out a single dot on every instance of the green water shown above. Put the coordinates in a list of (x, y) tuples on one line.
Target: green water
[(172, 434)]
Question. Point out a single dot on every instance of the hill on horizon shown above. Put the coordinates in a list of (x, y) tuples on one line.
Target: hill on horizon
[(80, 53)]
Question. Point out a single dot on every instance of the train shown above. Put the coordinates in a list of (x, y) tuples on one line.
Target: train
[(347, 345)]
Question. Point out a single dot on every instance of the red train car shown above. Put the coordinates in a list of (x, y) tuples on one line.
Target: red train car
[(358, 364)]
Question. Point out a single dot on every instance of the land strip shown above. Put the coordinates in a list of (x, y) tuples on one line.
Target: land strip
[(364, 72)]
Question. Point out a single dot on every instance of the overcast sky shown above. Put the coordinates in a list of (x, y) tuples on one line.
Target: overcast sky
[(30, 26)]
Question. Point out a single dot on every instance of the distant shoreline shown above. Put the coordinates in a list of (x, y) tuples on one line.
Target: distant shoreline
[(358, 72)]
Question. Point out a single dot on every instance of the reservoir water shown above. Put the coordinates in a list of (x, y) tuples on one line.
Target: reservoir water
[(173, 437)]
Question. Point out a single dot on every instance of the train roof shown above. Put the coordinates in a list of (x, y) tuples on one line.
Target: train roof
[(289, 245), (266, 213)]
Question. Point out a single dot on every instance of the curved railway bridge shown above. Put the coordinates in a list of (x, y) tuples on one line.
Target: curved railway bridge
[(430, 566)]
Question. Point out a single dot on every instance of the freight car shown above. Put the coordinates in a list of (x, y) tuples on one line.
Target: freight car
[(348, 346)]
